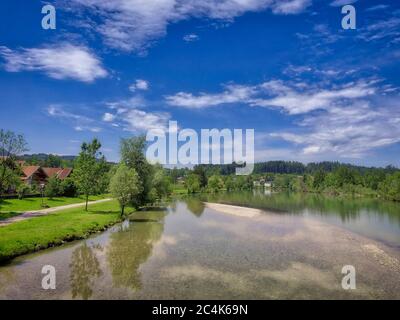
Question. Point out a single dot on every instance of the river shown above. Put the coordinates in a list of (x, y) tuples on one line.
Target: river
[(295, 249)]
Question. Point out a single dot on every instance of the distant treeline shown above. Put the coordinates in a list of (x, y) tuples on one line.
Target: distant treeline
[(288, 167), (49, 160)]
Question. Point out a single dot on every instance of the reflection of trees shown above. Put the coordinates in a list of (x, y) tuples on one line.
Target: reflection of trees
[(195, 206), (84, 268), (346, 208), (131, 247)]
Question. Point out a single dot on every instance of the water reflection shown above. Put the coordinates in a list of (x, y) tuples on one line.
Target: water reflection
[(195, 206), (85, 269), (132, 246), (371, 217)]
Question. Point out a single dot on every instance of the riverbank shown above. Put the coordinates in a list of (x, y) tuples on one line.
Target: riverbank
[(15, 206), (52, 230)]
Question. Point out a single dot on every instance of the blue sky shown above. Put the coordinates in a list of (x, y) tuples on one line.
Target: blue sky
[(311, 90)]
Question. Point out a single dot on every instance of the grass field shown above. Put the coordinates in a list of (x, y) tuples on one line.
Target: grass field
[(31, 204), (46, 231)]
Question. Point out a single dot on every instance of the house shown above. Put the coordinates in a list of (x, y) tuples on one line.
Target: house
[(40, 175)]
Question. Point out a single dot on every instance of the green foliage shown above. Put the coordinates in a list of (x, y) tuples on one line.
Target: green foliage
[(69, 188), (23, 190), (215, 184), (53, 188), (192, 183), (125, 185), (390, 187), (133, 156), (11, 145), (89, 170), (201, 173), (162, 183)]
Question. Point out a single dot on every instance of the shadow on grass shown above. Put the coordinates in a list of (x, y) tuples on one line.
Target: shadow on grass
[(103, 211), (7, 215)]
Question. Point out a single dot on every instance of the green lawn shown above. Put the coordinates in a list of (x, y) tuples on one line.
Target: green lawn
[(42, 232), (29, 204)]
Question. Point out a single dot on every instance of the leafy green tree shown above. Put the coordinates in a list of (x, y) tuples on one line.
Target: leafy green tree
[(201, 172), (215, 184), (125, 185), (11, 145), (86, 174), (229, 183), (133, 156), (162, 183), (53, 187), (23, 190), (192, 183), (69, 188), (390, 187), (319, 179)]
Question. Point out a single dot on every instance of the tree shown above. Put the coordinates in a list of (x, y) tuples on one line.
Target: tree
[(53, 187), (86, 174), (215, 183), (125, 185), (193, 183), (133, 156), (11, 145), (200, 171), (69, 188), (23, 190), (161, 182)]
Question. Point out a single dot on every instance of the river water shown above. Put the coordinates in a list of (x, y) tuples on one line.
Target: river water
[(295, 249)]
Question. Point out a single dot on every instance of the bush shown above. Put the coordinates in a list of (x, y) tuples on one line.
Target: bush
[(53, 187), (69, 188), (23, 190)]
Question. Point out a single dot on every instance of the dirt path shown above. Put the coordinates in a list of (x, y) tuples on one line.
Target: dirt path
[(44, 212)]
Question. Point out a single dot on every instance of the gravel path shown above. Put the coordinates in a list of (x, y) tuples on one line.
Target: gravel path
[(44, 212)]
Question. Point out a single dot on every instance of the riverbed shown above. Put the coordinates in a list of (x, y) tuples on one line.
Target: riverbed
[(191, 250)]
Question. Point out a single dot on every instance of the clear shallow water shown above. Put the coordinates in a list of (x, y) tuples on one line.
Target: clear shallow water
[(373, 218), (189, 251)]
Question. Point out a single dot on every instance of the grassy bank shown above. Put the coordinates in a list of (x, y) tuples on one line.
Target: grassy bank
[(31, 204), (46, 231)]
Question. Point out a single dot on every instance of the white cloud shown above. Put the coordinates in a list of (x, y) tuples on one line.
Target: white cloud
[(290, 6), (64, 61), (128, 115), (294, 99), (79, 122), (377, 7), (108, 117), (141, 121), (339, 3), (384, 29), (191, 37), (139, 85), (349, 131), (133, 25), (232, 94)]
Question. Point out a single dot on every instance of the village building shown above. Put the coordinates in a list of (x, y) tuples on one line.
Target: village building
[(40, 175)]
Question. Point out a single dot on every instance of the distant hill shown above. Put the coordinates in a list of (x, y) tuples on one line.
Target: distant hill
[(44, 156)]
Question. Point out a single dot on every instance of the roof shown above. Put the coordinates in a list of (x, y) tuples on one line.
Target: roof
[(64, 173), (51, 172), (60, 173), (30, 170)]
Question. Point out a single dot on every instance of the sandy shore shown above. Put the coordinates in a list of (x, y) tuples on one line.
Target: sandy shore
[(234, 210)]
